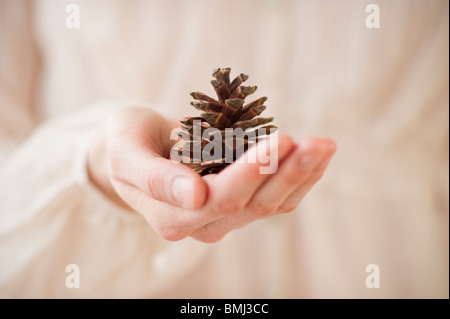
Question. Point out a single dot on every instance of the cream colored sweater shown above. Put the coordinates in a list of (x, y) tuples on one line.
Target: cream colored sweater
[(382, 94)]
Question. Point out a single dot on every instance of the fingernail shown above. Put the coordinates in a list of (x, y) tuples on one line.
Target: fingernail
[(309, 161), (182, 188)]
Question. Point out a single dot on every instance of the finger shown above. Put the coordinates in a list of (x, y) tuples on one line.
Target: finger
[(234, 186), (306, 159), (162, 179), (293, 200), (292, 172)]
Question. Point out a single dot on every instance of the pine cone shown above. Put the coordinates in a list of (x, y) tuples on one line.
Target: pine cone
[(226, 112)]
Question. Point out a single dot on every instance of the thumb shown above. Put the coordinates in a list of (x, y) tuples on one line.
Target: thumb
[(160, 178), (134, 150), (174, 183)]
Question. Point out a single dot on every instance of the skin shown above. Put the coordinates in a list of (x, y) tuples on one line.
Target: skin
[(128, 161)]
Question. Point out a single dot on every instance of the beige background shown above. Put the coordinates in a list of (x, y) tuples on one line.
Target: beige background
[(382, 94)]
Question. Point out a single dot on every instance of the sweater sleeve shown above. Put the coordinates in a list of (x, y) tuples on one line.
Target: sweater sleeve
[(51, 216)]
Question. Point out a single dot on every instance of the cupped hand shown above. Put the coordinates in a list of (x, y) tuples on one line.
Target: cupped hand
[(129, 162)]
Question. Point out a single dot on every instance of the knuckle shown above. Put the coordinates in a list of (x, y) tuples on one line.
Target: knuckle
[(210, 236), (318, 170), (316, 176), (293, 176), (260, 208), (227, 207), (210, 233), (171, 233), (286, 208)]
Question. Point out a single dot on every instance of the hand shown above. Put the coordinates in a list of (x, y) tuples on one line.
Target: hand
[(129, 163)]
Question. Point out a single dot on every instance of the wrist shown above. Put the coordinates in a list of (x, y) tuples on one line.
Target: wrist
[(97, 170)]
